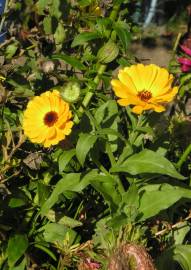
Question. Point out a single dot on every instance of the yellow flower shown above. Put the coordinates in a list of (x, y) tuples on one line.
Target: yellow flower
[(47, 119), (146, 87)]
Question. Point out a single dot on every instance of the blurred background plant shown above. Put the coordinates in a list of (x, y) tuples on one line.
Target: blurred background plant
[(117, 180)]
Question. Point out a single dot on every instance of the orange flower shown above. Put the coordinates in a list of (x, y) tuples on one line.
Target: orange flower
[(47, 119), (145, 87)]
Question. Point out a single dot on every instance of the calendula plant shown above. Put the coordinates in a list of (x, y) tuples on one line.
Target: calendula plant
[(93, 175)]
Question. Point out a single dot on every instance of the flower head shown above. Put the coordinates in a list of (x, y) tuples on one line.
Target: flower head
[(147, 87), (185, 62), (47, 119)]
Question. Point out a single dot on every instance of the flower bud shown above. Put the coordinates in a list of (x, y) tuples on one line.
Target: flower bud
[(108, 52), (70, 92)]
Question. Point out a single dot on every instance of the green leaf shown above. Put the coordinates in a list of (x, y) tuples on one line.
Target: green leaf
[(64, 220), (62, 185), (56, 8), (153, 201), (16, 202), (181, 232), (69, 60), (82, 38), (84, 3), (46, 250), (17, 246), (106, 185), (21, 266), (182, 254), (70, 222), (54, 232), (130, 202), (70, 182), (47, 24), (41, 5), (127, 151), (84, 144), (11, 50), (123, 32), (65, 158), (148, 161), (178, 253), (108, 119), (60, 34)]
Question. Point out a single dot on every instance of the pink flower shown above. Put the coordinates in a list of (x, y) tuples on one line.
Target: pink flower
[(185, 64), (186, 50)]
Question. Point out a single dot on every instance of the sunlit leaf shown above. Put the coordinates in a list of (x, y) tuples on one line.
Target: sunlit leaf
[(17, 246), (82, 38), (65, 158), (84, 144), (148, 161), (154, 201), (74, 62)]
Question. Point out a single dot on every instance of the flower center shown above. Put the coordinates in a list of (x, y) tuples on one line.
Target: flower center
[(50, 118), (144, 95)]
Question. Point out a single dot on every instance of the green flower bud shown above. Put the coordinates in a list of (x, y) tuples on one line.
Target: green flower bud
[(70, 92), (108, 52)]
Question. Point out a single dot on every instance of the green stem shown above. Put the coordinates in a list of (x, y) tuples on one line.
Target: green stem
[(184, 156), (89, 95), (100, 71)]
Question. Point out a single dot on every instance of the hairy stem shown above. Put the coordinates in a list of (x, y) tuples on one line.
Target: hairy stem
[(101, 68)]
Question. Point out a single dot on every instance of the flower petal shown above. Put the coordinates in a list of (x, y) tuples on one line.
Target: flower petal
[(127, 81), (120, 89)]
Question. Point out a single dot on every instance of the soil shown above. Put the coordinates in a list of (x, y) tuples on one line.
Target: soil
[(156, 50)]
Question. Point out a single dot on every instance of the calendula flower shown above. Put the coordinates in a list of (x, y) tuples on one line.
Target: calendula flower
[(47, 119), (146, 87)]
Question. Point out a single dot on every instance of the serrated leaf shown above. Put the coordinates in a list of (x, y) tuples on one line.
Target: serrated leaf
[(17, 246), (65, 158), (82, 38), (84, 144), (148, 161), (69, 60)]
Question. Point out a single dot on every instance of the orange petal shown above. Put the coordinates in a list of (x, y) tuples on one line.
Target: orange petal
[(128, 82), (119, 88), (169, 96), (138, 109), (131, 100)]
